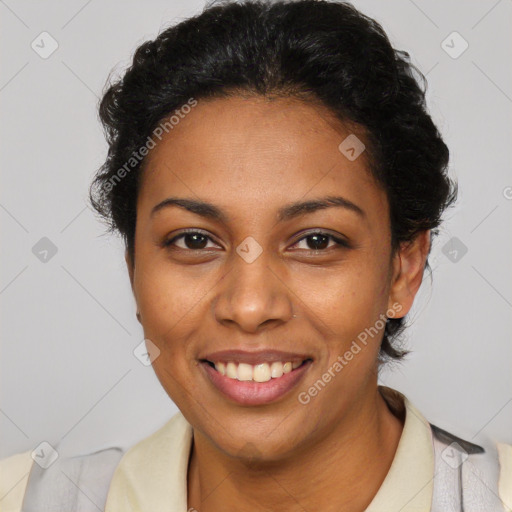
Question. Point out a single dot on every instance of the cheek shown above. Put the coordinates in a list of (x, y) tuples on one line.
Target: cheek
[(168, 297), (172, 309), (347, 309), (348, 298)]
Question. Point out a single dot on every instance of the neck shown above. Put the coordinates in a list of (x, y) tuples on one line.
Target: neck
[(342, 472)]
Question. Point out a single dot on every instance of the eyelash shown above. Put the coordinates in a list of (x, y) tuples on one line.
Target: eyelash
[(339, 242)]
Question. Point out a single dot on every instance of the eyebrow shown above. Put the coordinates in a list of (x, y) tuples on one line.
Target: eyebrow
[(286, 213)]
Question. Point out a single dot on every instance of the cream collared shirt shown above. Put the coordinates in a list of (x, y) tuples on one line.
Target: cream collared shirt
[(152, 475)]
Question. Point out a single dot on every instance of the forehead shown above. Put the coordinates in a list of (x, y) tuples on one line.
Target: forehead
[(241, 150)]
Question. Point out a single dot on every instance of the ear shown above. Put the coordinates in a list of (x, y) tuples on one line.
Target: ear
[(408, 266), (131, 270), (129, 265)]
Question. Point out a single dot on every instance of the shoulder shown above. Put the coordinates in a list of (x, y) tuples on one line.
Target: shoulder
[(14, 473), (151, 473), (481, 472), (58, 483), (473, 474), (505, 482), (82, 482)]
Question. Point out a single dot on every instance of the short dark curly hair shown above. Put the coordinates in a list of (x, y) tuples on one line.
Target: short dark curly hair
[(323, 50)]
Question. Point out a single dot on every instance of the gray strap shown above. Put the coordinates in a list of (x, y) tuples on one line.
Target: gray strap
[(480, 477), (73, 484), (465, 475)]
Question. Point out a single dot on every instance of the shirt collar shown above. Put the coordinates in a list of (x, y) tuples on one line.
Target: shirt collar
[(152, 475), (408, 486)]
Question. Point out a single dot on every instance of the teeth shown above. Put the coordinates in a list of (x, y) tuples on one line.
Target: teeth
[(258, 373), (261, 373), (276, 370), (221, 368), (244, 372), (231, 370)]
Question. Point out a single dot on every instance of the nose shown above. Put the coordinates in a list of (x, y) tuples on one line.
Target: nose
[(253, 296)]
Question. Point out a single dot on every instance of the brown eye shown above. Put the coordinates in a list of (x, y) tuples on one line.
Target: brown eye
[(195, 241), (319, 241), (192, 240)]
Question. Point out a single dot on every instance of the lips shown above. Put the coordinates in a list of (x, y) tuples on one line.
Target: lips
[(262, 372), (255, 378)]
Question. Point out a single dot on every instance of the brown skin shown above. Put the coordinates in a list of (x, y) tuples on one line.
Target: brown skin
[(250, 157)]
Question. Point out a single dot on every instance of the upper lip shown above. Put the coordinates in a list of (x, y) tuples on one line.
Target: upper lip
[(254, 357)]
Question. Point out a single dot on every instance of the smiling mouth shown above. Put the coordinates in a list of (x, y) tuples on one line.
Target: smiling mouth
[(262, 372)]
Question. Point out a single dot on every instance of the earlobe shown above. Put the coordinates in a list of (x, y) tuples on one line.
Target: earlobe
[(408, 267)]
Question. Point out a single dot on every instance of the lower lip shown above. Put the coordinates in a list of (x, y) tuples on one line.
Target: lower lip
[(255, 393)]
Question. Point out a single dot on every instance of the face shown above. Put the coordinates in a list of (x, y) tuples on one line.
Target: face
[(242, 263)]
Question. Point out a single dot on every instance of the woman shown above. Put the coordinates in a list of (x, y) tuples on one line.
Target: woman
[(277, 182)]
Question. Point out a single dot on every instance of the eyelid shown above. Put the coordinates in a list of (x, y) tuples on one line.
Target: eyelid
[(339, 240), (170, 241)]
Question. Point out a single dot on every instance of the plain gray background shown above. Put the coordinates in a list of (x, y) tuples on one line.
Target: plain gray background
[(68, 331)]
